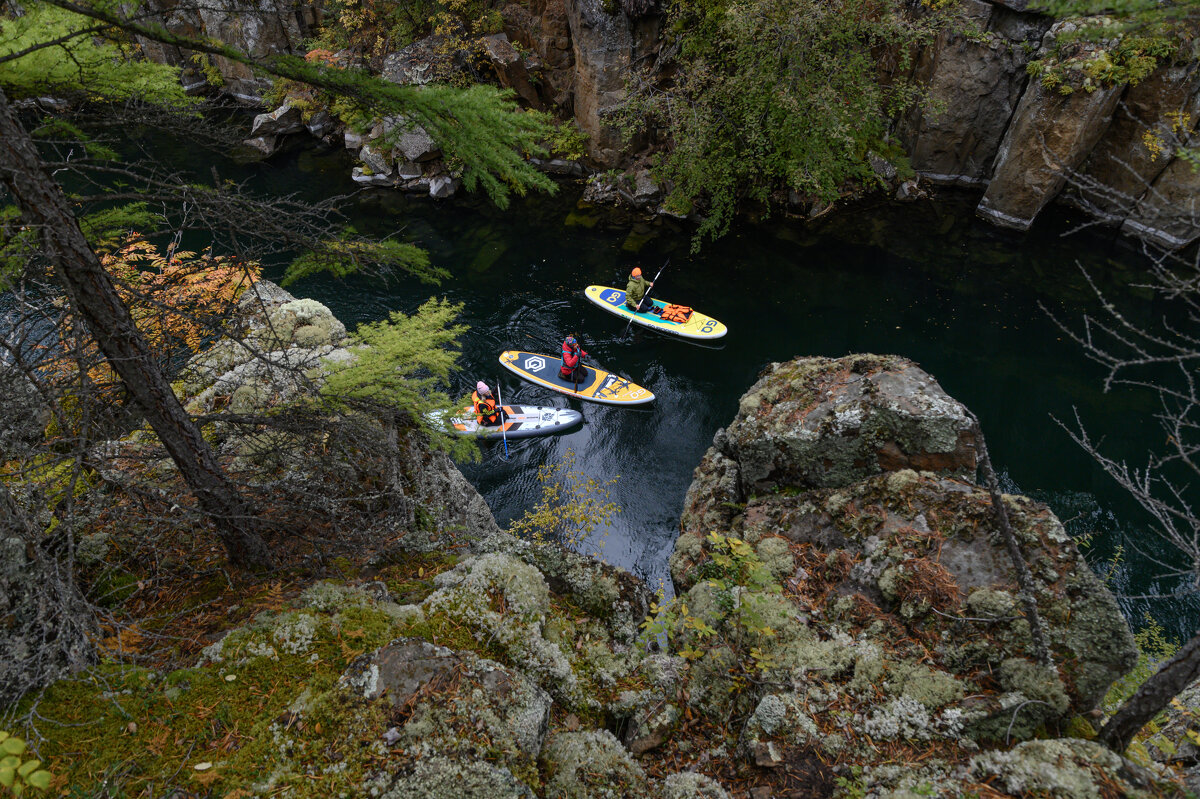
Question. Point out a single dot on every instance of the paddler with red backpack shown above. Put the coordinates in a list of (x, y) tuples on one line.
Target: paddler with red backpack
[(572, 361)]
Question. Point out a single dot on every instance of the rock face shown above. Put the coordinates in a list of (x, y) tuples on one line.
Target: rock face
[(1168, 214), (605, 47), (1050, 135), (977, 83), (266, 27), (992, 126), (1121, 168)]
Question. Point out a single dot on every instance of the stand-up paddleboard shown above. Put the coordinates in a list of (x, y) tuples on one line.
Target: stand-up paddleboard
[(698, 326), (596, 385), (520, 421)]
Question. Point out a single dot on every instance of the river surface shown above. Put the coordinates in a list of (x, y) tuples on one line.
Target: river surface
[(925, 280)]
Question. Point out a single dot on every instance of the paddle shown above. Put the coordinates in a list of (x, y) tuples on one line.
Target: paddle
[(645, 296), (503, 425)]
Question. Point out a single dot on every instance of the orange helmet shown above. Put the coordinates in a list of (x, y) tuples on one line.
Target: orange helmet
[(637, 272)]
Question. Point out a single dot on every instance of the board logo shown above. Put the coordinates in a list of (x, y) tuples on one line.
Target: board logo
[(535, 364)]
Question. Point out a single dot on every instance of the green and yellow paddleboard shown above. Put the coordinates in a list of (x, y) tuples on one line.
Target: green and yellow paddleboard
[(698, 326)]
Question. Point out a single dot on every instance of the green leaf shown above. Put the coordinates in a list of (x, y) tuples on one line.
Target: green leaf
[(12, 746), (28, 766), (39, 780), (7, 775)]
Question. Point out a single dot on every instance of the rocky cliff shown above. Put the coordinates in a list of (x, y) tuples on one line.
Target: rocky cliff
[(846, 625), (1026, 141)]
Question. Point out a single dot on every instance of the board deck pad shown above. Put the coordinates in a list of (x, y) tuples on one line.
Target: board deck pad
[(596, 386), (698, 326), (521, 421)]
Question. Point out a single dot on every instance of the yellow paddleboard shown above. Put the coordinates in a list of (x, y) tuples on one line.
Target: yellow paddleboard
[(698, 326), (596, 385)]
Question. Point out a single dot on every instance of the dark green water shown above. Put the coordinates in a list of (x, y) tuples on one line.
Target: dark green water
[(926, 280)]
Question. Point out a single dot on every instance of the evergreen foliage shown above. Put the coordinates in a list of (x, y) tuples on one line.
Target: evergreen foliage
[(62, 55), (775, 94), (479, 129), (349, 254), (402, 363)]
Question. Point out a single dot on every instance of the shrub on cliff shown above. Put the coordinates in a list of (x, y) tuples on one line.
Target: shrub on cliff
[(777, 94)]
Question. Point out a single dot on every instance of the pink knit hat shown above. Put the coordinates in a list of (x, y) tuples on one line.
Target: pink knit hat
[(482, 388)]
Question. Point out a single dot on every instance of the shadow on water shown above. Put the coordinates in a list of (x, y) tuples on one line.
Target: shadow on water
[(928, 281)]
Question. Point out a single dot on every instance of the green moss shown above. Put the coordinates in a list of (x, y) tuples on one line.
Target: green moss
[(125, 721)]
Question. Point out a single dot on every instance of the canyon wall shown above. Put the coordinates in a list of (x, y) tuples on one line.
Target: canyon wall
[(1023, 140)]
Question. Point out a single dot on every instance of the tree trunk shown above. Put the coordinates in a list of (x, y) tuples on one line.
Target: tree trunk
[(1027, 596), (94, 298), (1180, 671)]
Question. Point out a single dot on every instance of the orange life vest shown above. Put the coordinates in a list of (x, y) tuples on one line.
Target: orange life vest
[(485, 408), (676, 313)]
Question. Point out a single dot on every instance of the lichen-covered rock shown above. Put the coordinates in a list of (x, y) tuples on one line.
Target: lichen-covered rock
[(873, 602), (820, 422), (591, 765), (613, 596), (439, 777), (453, 698), (690, 785), (505, 602)]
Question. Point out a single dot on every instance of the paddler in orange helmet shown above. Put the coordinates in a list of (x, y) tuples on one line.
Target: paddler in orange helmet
[(635, 293)]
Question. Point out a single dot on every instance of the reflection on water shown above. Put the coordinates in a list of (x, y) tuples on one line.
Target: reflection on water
[(927, 281)]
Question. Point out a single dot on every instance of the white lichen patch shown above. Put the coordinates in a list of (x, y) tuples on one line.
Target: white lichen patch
[(1063, 768), (904, 718), (293, 633), (327, 597)]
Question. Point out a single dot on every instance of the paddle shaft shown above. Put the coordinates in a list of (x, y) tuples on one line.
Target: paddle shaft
[(629, 324), (503, 434)]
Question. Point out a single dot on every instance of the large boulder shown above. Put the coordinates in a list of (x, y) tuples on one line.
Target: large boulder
[(823, 423), (283, 120), (834, 546)]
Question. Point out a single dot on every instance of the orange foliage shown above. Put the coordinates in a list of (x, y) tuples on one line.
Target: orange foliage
[(322, 56), (176, 300)]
